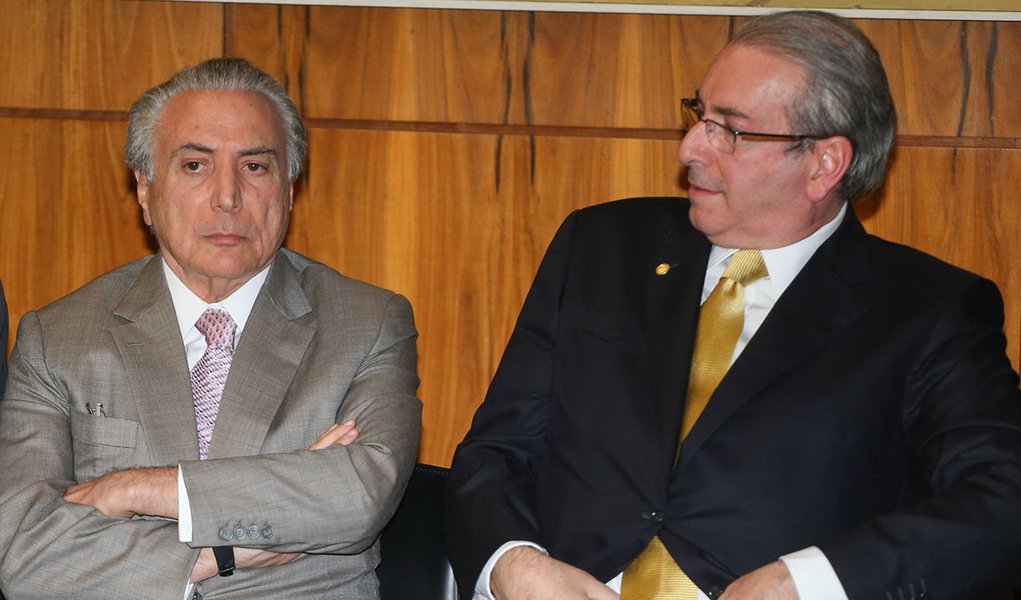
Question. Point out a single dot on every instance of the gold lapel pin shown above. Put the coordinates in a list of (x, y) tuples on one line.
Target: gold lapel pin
[(662, 269)]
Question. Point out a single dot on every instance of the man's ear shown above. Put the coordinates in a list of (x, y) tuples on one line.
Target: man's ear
[(142, 194), (832, 157)]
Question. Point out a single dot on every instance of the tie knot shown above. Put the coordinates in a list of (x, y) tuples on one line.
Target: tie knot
[(218, 328), (745, 267)]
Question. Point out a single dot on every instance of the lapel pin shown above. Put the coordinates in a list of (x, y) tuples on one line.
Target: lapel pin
[(662, 269)]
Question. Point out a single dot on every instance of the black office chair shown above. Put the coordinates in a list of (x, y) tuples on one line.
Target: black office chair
[(414, 564)]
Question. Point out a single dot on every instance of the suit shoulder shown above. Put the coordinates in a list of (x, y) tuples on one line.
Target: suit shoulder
[(909, 264), (632, 218), (637, 210), (101, 294), (325, 285)]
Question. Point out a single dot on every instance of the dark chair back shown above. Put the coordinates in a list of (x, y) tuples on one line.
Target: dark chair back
[(414, 564)]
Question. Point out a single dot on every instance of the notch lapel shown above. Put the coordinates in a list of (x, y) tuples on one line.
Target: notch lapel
[(822, 301), (155, 365), (270, 349), (672, 309)]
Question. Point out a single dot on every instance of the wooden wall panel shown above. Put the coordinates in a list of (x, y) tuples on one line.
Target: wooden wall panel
[(448, 145), (952, 78), (618, 70), (69, 214), (98, 54), (404, 64)]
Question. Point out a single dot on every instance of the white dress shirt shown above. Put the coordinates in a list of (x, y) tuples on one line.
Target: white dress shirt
[(810, 570), (189, 308)]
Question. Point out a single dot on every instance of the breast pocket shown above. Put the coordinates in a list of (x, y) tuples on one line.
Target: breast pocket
[(104, 444)]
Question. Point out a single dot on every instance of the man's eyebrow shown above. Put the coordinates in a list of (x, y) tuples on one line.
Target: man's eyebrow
[(193, 147), (256, 151), (259, 151)]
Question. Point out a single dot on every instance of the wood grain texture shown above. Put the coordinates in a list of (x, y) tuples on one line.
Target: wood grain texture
[(406, 64), (949, 78), (952, 78), (67, 217), (99, 54), (618, 70)]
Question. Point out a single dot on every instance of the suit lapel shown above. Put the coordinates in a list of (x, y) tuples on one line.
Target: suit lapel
[(821, 302), (672, 311), (269, 351), (156, 367)]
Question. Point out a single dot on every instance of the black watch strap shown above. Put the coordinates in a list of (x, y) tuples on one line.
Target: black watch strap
[(224, 560)]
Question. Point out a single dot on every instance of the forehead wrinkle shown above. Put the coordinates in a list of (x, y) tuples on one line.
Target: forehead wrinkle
[(726, 111)]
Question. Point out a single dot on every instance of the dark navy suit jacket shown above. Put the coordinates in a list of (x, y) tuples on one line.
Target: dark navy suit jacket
[(874, 414)]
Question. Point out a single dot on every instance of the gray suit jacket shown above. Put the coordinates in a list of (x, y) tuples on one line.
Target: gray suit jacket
[(318, 348)]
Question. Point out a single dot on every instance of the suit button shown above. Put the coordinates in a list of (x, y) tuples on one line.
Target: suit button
[(226, 534), (267, 532), (240, 532), (253, 531), (656, 516)]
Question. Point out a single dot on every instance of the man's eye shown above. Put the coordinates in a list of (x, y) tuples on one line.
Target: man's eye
[(254, 167), (192, 165)]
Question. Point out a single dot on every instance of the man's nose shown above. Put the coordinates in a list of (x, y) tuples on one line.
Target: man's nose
[(227, 195), (693, 145)]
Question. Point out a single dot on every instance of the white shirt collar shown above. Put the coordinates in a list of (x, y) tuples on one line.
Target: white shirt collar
[(785, 263), (190, 307)]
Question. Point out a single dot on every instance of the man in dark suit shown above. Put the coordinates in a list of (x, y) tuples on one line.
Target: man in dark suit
[(858, 434), (133, 462)]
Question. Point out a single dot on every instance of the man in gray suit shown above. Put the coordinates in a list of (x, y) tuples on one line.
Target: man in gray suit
[(126, 470)]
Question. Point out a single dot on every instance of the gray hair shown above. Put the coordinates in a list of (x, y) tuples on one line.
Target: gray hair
[(214, 74), (847, 93)]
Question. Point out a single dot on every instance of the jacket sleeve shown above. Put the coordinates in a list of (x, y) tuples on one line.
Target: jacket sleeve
[(962, 419), (491, 492), (334, 500), (50, 548)]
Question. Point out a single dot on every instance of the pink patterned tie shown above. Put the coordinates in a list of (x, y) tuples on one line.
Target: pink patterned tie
[(210, 373)]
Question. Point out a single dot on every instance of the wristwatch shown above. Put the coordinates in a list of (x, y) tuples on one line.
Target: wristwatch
[(224, 560)]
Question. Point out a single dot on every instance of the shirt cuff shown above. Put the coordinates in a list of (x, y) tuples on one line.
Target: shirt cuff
[(483, 591), (183, 509), (813, 575)]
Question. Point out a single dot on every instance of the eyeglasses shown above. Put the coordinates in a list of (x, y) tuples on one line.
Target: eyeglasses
[(724, 138)]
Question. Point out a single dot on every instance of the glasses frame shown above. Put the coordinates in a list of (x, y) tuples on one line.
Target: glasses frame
[(692, 107)]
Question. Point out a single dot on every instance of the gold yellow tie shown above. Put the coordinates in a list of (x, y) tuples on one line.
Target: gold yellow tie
[(654, 575)]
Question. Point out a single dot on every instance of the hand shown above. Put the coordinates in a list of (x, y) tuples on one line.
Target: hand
[(338, 433), (524, 573), (771, 582), (244, 558), (130, 492)]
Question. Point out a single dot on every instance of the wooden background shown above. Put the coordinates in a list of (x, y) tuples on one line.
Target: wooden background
[(448, 145)]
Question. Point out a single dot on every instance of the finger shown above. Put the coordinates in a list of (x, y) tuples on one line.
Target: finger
[(337, 433)]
